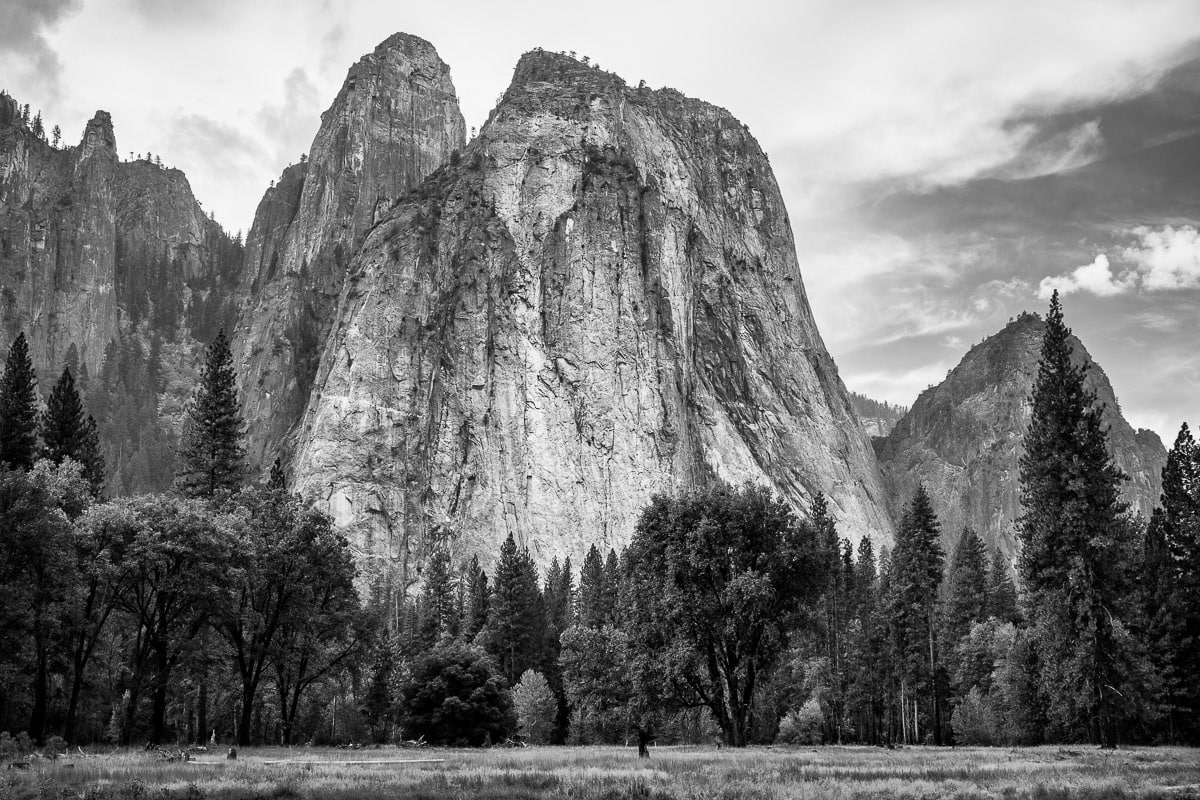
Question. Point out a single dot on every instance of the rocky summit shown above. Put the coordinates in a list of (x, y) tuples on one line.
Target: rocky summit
[(598, 299), (963, 438), (91, 245), (395, 120)]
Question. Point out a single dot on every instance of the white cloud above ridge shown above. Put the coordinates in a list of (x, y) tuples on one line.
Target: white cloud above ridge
[(1164, 259)]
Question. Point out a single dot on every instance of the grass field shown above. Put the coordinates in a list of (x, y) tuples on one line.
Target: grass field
[(613, 773)]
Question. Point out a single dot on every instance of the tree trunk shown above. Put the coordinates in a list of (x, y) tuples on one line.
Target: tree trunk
[(202, 714), (158, 713), (41, 698), (643, 737)]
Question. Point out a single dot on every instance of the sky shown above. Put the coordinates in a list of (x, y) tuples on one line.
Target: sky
[(945, 163)]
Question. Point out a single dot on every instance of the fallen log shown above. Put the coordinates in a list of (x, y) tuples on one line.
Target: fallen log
[(366, 761)]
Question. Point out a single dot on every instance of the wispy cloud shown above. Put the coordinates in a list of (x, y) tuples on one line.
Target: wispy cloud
[(291, 124)]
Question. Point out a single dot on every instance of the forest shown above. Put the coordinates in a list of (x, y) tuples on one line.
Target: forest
[(224, 610)]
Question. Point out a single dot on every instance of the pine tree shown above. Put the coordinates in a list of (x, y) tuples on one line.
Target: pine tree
[(211, 456), (64, 425), (516, 626), (966, 585), (593, 591), (1171, 584), (18, 408), (1001, 591), (438, 617), (916, 573), (92, 458), (475, 614), (1074, 542)]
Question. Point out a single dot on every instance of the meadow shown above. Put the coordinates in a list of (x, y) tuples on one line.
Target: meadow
[(614, 773)]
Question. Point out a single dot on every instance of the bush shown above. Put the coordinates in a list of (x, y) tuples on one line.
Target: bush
[(803, 726), (536, 707), (454, 696), (973, 721)]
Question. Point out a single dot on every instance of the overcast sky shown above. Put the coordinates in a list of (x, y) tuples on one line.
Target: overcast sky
[(867, 110)]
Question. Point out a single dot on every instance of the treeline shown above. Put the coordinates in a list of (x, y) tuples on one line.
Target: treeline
[(225, 607), (167, 616)]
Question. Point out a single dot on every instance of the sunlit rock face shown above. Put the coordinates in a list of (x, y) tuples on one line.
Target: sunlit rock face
[(597, 301), (964, 439), (395, 120)]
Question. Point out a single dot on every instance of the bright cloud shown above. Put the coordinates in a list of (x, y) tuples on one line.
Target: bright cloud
[(1168, 258), (1163, 259), (1096, 278)]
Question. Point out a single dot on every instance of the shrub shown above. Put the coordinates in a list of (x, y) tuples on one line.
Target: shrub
[(536, 707), (454, 696), (803, 726), (973, 721)]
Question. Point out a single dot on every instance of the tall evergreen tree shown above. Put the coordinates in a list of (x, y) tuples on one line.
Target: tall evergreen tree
[(516, 626), (18, 408), (211, 457), (475, 614), (593, 591), (64, 424), (1171, 587), (438, 616), (916, 573), (1001, 591), (1075, 544), (966, 587)]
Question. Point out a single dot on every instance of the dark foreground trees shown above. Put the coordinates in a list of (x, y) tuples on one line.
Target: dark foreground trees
[(717, 579), (456, 697)]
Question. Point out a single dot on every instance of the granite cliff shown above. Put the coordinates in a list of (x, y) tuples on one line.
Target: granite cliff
[(597, 300), (91, 245), (963, 438), (395, 120)]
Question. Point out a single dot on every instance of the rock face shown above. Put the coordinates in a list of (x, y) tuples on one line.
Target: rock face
[(964, 439), (57, 240), (395, 120), (599, 300), (90, 245), (876, 418)]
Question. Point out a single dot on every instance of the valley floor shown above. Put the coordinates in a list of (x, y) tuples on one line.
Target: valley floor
[(614, 773)]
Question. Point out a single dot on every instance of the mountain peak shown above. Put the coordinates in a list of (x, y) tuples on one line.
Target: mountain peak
[(98, 135), (964, 437)]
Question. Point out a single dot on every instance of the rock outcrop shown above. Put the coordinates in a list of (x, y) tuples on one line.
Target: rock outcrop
[(395, 120), (964, 438), (90, 245), (57, 239), (599, 300)]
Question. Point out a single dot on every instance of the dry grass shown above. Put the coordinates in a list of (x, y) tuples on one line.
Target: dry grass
[(612, 773)]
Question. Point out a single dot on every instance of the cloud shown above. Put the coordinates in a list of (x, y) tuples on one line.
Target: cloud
[(1168, 258), (175, 13), (291, 125), (1059, 152), (1095, 278), (1163, 259), (24, 50)]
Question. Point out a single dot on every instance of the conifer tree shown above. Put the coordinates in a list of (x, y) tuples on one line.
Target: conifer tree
[(64, 425), (475, 614), (1001, 591), (18, 408), (211, 456), (438, 616), (593, 591), (1171, 587), (916, 573), (1074, 546), (966, 584), (516, 626)]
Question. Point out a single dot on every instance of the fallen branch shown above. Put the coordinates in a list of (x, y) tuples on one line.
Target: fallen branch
[(367, 761)]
